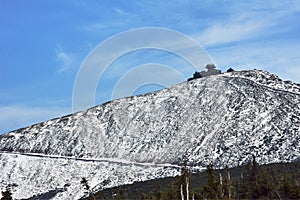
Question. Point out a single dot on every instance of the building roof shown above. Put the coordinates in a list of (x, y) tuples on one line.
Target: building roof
[(210, 66)]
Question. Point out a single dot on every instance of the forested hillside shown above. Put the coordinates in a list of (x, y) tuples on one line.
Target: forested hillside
[(250, 181)]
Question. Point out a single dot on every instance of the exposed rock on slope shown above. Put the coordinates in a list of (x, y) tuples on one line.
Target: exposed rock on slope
[(221, 119)]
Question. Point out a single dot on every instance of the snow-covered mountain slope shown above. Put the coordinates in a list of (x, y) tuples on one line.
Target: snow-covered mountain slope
[(222, 119), (29, 175)]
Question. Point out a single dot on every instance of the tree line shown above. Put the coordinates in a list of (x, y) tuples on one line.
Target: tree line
[(254, 183), (251, 181)]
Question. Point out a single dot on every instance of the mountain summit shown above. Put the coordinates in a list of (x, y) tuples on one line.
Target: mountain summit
[(221, 119)]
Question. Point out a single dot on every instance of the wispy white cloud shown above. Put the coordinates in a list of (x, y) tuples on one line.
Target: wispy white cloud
[(245, 21), (120, 11), (103, 28), (222, 33), (14, 116), (65, 59)]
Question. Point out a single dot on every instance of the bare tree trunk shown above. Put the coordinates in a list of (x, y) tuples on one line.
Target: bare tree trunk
[(187, 188), (278, 195), (229, 185), (181, 192)]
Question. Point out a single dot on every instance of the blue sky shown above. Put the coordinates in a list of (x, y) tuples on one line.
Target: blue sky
[(43, 43)]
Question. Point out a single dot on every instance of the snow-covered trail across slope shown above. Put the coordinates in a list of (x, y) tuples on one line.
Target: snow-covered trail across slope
[(49, 173), (111, 160)]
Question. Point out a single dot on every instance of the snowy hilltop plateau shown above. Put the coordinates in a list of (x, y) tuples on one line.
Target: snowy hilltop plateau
[(221, 119)]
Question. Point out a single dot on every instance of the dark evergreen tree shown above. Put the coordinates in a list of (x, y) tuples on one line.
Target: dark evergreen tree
[(182, 184), (248, 184), (241, 188), (121, 195), (252, 179), (86, 187), (213, 188), (6, 195), (169, 194), (85, 184), (226, 185), (266, 184), (289, 189), (158, 193)]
